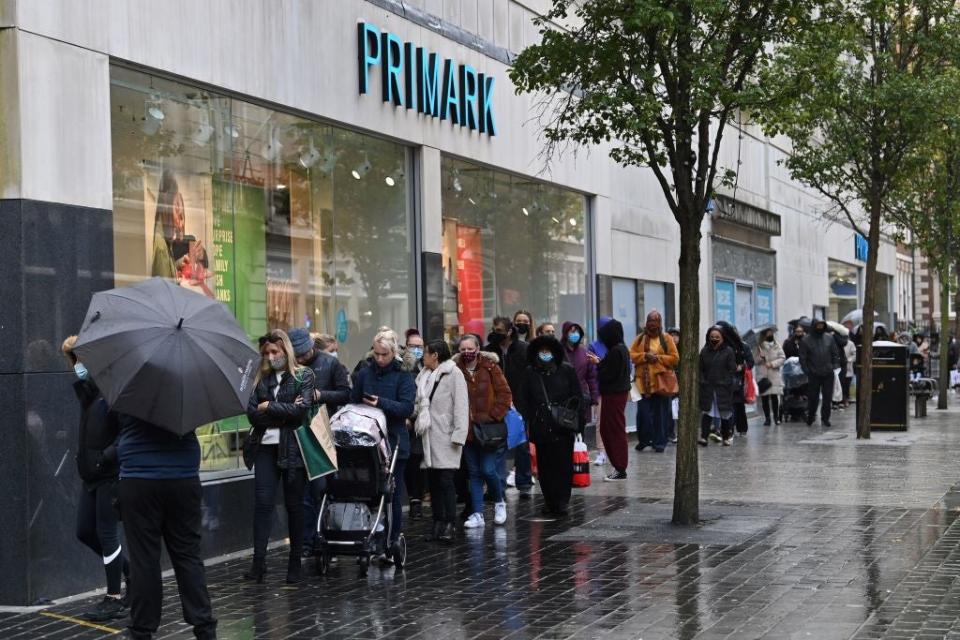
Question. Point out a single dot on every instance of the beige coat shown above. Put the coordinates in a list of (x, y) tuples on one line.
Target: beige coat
[(770, 359), (442, 423)]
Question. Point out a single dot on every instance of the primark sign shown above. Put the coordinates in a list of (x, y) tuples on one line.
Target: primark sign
[(415, 78)]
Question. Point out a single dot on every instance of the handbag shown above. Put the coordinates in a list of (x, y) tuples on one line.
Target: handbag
[(490, 435), (250, 445), (764, 384), (667, 383), (564, 418)]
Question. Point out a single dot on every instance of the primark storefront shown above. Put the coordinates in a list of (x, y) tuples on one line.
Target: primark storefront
[(336, 165)]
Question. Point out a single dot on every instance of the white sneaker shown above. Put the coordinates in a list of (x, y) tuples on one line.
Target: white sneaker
[(601, 459), (500, 513), (727, 442), (512, 479), (475, 521)]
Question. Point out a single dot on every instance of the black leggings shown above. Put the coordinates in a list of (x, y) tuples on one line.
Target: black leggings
[(415, 477), (443, 495), (706, 424), (771, 402), (740, 416), (98, 527), (266, 476)]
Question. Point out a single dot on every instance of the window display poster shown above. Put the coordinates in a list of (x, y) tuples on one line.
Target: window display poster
[(469, 274), (723, 300), (765, 313)]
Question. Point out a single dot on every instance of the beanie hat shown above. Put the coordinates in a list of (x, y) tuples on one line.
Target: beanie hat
[(301, 341)]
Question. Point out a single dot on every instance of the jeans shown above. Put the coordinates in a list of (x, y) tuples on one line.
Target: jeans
[(443, 495), (523, 473), (817, 386), (167, 509), (266, 476), (482, 466), (98, 527), (653, 421)]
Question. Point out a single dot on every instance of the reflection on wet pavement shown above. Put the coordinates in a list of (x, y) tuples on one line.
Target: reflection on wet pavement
[(803, 536)]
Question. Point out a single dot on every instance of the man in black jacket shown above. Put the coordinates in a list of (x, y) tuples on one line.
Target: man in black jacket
[(331, 387), (819, 357)]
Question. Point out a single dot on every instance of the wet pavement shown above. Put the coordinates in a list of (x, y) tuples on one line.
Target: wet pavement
[(806, 533)]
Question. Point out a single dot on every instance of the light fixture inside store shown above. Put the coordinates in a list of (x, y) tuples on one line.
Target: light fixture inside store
[(231, 131), (272, 148), (573, 222), (525, 211), (153, 116), (394, 177), (203, 131), (472, 201), (457, 185), (555, 220), (362, 169), (281, 186), (310, 156), (329, 161)]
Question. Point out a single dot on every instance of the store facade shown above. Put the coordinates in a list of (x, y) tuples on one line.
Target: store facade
[(339, 166)]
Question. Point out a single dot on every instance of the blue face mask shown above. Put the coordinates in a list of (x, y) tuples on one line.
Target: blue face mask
[(417, 352), (81, 371), (573, 337), (545, 357)]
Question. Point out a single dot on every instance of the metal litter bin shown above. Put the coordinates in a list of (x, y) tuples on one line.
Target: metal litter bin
[(891, 387)]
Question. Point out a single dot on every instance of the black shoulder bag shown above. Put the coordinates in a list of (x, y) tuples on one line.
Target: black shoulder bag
[(564, 418)]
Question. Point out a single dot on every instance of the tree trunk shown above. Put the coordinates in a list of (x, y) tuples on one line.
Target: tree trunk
[(686, 495), (943, 385), (865, 378)]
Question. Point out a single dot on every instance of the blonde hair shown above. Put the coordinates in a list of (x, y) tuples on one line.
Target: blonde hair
[(277, 336), (388, 338), (67, 349)]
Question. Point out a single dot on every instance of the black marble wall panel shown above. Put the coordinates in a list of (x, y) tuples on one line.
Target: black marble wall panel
[(11, 288), (14, 568), (432, 273)]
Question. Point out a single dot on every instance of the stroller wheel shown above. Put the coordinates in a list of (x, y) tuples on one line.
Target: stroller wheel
[(399, 552), (364, 563), (323, 563)]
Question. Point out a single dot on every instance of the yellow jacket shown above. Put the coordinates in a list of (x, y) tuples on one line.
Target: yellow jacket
[(666, 360)]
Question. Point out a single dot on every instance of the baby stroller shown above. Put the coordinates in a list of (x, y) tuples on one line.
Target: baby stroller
[(354, 518), (794, 405)]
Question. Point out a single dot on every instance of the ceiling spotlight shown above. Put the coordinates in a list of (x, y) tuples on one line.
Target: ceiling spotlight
[(394, 177), (472, 201), (271, 149), (309, 157), (573, 222), (231, 131), (153, 116), (457, 185), (525, 212), (329, 161), (203, 131), (390, 181), (281, 186), (555, 220), (362, 169)]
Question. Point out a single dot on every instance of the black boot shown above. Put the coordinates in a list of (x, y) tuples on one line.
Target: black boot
[(434, 531), (257, 571), (293, 569), (447, 532), (416, 509)]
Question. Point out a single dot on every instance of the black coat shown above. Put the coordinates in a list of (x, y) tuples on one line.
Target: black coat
[(819, 355), (331, 379), (99, 429), (718, 371), (791, 347), (613, 372), (397, 394), (513, 363), (282, 413), (562, 385)]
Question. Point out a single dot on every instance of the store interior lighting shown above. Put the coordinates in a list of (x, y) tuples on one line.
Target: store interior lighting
[(310, 156), (394, 177), (153, 116), (271, 149), (526, 212), (362, 169), (231, 131), (329, 163), (203, 132)]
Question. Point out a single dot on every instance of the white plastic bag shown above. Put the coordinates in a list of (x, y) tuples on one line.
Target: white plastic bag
[(675, 408), (837, 391)]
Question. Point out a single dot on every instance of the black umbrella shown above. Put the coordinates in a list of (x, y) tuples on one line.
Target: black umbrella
[(167, 355)]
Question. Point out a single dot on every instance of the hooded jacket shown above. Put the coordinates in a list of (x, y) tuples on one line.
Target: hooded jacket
[(487, 388), (597, 347), (819, 354), (718, 371), (513, 362), (743, 356), (613, 372), (576, 355), (559, 380), (660, 345), (97, 438)]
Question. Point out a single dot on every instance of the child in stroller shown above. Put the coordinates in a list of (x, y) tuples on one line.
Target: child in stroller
[(794, 405), (354, 518)]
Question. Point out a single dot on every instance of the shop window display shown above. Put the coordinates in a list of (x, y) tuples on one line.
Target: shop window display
[(287, 221), (510, 243)]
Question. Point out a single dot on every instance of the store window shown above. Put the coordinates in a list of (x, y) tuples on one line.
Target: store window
[(287, 221), (844, 289), (510, 243)]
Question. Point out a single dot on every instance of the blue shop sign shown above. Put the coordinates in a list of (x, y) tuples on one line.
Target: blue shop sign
[(861, 248), (415, 78)]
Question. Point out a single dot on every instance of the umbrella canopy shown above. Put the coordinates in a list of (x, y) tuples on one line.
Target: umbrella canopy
[(838, 328), (856, 316), (166, 355)]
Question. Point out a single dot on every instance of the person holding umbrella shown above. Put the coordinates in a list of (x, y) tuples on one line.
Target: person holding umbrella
[(281, 400), (167, 360)]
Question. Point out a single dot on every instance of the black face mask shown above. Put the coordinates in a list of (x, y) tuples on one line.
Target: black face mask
[(523, 328), (496, 339), (819, 330)]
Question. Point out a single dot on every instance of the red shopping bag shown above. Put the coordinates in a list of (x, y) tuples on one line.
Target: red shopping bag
[(581, 464), (749, 386), (533, 459)]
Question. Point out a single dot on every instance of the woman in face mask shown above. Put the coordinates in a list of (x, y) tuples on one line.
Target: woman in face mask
[(280, 402), (414, 477), (548, 380), (523, 321), (575, 351), (718, 365), (770, 359), (490, 400), (97, 522)]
